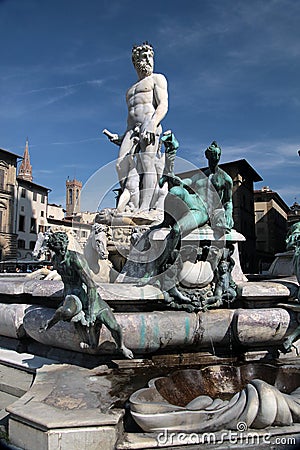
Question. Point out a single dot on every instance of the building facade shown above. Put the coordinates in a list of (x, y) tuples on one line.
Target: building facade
[(271, 214), (31, 216), (8, 235), (31, 208)]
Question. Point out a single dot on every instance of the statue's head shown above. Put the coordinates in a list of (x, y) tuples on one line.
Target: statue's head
[(58, 242), (213, 153), (223, 267), (143, 58)]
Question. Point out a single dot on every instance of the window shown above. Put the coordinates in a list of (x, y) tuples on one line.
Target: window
[(23, 193), (42, 228), (2, 173), (31, 245), (42, 214), (70, 196), (21, 243), (84, 234), (32, 225), (77, 194), (42, 199), (1, 222), (22, 208), (21, 222), (34, 197)]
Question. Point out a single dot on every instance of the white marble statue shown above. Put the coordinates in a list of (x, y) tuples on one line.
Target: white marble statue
[(147, 102)]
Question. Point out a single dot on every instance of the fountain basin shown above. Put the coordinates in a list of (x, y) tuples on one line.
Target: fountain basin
[(219, 397)]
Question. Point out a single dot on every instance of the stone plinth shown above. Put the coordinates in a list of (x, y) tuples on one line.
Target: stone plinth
[(205, 233), (282, 265), (67, 408), (258, 294)]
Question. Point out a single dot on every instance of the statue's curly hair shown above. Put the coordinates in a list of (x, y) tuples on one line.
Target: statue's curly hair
[(58, 237), (136, 49)]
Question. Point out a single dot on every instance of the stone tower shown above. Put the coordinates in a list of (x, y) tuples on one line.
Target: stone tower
[(73, 191), (25, 170)]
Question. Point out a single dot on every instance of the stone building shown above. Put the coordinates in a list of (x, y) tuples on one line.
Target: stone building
[(8, 235), (32, 200), (243, 176), (55, 212), (31, 208), (73, 191), (271, 213)]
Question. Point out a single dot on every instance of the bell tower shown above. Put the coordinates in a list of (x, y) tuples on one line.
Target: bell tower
[(25, 171), (73, 191)]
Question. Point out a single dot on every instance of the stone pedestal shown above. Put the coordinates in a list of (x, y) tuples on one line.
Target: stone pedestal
[(67, 408)]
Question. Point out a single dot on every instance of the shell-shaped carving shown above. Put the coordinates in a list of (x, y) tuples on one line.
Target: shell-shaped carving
[(198, 274), (219, 397)]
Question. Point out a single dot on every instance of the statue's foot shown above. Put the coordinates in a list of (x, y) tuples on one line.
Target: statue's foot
[(126, 352)]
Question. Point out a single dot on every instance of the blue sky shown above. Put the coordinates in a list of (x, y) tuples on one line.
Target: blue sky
[(233, 70)]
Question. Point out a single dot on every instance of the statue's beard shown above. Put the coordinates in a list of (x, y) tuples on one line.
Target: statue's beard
[(144, 68)]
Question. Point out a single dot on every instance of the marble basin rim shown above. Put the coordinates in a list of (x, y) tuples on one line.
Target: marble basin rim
[(219, 397)]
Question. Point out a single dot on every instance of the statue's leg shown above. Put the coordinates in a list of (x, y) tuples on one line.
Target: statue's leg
[(70, 307), (57, 317), (108, 319), (123, 200), (123, 162), (191, 221), (147, 158)]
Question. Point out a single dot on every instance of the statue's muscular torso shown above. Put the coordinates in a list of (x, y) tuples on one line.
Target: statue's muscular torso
[(141, 99)]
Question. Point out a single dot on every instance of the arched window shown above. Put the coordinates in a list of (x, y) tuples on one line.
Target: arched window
[(71, 196), (77, 194)]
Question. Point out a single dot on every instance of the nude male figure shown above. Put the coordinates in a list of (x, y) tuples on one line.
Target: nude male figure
[(147, 102)]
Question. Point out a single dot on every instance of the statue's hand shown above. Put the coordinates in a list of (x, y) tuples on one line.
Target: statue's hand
[(171, 179), (113, 137), (116, 139), (148, 137)]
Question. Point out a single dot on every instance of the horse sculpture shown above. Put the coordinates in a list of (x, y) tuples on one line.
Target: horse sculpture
[(94, 251)]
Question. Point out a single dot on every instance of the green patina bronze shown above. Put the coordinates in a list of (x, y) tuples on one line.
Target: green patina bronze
[(293, 243), (204, 198), (82, 303)]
